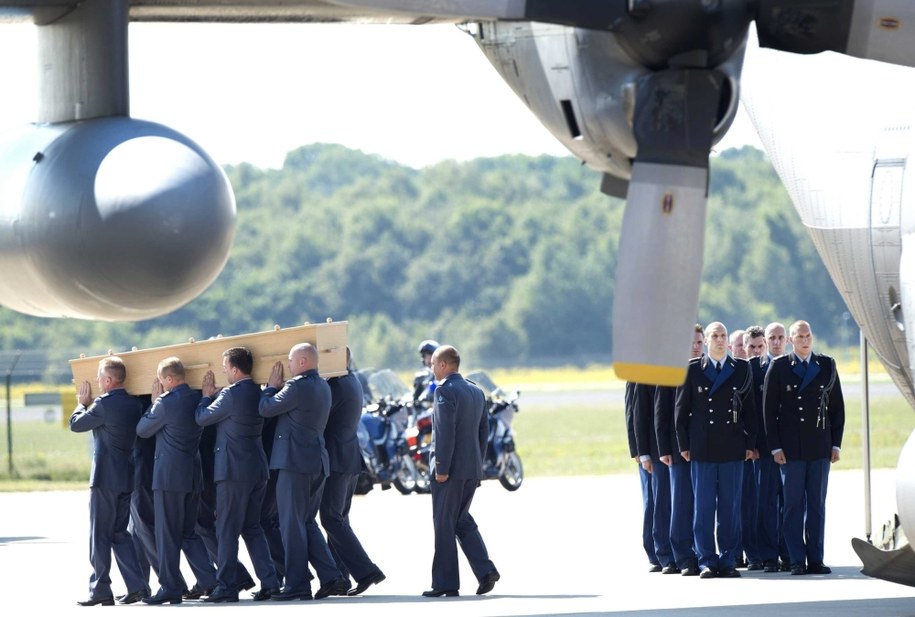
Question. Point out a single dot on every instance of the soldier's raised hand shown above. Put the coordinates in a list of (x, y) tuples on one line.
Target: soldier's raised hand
[(84, 396), (276, 376), (209, 384)]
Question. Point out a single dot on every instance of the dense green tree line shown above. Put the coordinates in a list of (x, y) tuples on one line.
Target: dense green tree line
[(511, 258)]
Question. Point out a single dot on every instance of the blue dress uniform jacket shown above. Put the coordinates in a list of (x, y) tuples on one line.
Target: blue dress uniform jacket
[(460, 428), (112, 418), (238, 451), (301, 408), (715, 413), (340, 433), (177, 464), (804, 413)]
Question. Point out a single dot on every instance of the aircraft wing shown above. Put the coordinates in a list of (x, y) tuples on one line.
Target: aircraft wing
[(599, 14)]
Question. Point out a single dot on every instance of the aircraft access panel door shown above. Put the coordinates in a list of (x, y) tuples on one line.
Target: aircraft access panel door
[(886, 245)]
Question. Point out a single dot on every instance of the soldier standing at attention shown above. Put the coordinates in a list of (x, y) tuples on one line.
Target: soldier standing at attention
[(716, 430), (805, 420)]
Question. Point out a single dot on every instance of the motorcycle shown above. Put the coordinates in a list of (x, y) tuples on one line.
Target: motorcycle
[(385, 455), (500, 460)]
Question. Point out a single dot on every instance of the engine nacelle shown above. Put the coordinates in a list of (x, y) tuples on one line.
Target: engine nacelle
[(581, 84), (112, 219)]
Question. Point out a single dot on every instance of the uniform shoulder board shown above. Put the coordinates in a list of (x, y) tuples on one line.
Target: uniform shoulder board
[(695, 360)]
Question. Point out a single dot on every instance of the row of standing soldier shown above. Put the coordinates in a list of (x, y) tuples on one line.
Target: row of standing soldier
[(735, 462)]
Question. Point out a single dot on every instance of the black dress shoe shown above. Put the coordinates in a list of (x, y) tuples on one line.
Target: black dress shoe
[(771, 566), (784, 566), (706, 573), (336, 587), (133, 596), (655, 567), (221, 594), (728, 573), (690, 571), (109, 601), (488, 582), (798, 569), (283, 596), (670, 569), (366, 582), (754, 566), (438, 593), (264, 594), (818, 568), (162, 598), (248, 584), (196, 592)]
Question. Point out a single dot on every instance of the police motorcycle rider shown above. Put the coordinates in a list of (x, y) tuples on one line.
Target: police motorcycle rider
[(424, 380)]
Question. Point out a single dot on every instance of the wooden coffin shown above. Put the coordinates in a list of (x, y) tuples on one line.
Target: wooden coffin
[(199, 357)]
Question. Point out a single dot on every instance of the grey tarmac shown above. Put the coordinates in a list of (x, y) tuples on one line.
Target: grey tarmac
[(564, 546)]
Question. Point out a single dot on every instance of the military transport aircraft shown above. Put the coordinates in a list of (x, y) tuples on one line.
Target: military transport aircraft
[(101, 216)]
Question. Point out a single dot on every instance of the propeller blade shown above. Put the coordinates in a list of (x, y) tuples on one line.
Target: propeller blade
[(594, 14), (659, 272), (869, 29), (662, 239)]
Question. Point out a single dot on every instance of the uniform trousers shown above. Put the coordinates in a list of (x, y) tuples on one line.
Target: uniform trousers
[(768, 527), (142, 530), (681, 516), (804, 484), (660, 527), (270, 523), (109, 513), (717, 489), (238, 507), (452, 523), (298, 499), (348, 552), (647, 515), (176, 516), (748, 513)]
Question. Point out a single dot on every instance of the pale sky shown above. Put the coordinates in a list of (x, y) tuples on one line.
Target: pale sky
[(414, 94)]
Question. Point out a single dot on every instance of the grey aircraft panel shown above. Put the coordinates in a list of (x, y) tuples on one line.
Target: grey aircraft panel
[(231, 11)]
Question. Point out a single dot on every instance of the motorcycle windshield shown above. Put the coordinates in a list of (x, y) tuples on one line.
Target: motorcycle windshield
[(386, 385), (489, 387)]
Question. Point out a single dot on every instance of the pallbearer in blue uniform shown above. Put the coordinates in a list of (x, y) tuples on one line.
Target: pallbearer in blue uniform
[(681, 485), (716, 431), (112, 418), (177, 482), (805, 420), (345, 465), (240, 473), (301, 406)]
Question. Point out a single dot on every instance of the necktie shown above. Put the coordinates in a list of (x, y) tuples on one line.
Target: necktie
[(718, 366)]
